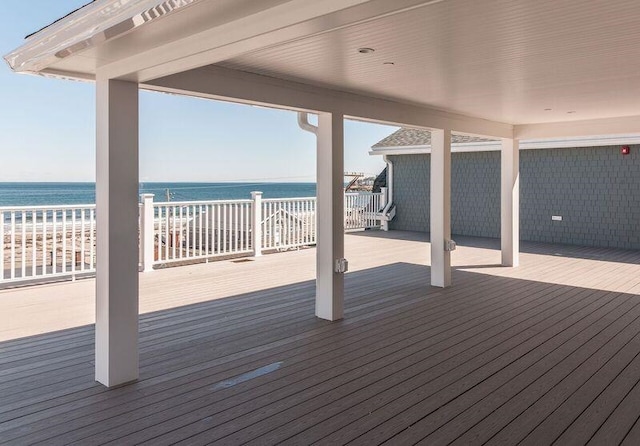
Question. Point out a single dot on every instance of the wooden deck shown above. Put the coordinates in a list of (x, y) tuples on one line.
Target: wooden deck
[(547, 353)]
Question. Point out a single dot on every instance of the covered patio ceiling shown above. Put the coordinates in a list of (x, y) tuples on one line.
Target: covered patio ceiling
[(516, 62), (506, 69)]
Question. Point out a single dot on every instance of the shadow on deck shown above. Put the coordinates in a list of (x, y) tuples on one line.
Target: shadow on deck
[(492, 359)]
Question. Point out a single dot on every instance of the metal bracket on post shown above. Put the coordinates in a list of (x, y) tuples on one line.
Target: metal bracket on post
[(449, 245), (341, 266)]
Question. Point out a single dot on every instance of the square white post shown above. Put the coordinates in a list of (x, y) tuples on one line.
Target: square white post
[(330, 217), (510, 202), (117, 232), (147, 231), (440, 207), (256, 230)]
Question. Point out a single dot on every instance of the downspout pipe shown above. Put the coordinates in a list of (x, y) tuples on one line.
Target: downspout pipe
[(386, 209), (303, 123)]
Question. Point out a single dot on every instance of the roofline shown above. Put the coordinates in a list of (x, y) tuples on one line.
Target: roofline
[(86, 27), (532, 144), (60, 19)]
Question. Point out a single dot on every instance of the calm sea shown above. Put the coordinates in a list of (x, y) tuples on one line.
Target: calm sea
[(48, 194)]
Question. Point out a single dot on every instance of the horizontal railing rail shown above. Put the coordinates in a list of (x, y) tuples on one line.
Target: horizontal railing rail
[(40, 242)]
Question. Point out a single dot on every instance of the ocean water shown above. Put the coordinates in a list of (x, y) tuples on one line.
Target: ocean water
[(51, 194)]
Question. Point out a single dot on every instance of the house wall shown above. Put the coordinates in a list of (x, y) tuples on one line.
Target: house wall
[(596, 190)]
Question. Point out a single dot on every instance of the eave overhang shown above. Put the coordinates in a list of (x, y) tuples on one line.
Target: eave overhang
[(86, 28)]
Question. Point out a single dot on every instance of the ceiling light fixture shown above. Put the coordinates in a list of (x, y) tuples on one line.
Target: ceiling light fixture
[(388, 63), (365, 50)]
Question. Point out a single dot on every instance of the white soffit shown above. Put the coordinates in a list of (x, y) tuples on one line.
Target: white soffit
[(507, 61), (535, 64), (145, 39)]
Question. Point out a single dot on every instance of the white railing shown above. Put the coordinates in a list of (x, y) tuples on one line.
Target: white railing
[(195, 230), (48, 241), (60, 241), (362, 209), (288, 223)]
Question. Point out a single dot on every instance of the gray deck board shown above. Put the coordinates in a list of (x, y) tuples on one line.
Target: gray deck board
[(547, 352)]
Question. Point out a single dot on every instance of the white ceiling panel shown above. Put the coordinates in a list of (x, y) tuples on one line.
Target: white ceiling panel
[(505, 60)]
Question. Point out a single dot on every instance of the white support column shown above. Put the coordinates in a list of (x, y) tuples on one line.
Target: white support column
[(440, 207), (330, 216), (256, 229), (147, 231), (117, 232), (510, 202)]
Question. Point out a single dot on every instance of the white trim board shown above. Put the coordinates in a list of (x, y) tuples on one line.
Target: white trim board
[(533, 144)]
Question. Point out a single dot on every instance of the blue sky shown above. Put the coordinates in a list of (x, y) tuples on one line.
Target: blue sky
[(47, 128)]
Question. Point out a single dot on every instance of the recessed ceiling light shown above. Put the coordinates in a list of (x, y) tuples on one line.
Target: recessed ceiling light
[(365, 50)]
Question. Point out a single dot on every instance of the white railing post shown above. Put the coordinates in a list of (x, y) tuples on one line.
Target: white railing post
[(384, 223), (2, 232), (256, 230), (147, 231)]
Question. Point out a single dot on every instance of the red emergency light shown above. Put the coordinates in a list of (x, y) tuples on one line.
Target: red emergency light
[(625, 150)]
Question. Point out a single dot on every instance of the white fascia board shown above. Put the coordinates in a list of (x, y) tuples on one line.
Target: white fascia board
[(87, 27), (248, 88), (455, 148), (624, 125), (402, 150), (585, 141), (537, 144)]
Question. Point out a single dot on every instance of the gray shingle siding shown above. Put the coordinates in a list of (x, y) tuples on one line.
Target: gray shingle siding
[(411, 192), (596, 190)]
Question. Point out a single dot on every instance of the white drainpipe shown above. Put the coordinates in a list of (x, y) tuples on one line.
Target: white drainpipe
[(303, 123), (389, 183), (386, 214)]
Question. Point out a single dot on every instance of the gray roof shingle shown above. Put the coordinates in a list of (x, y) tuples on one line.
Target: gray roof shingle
[(413, 137)]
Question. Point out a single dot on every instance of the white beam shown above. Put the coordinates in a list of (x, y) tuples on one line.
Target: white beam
[(117, 232), (248, 88), (330, 216), (510, 202), (440, 207), (623, 125)]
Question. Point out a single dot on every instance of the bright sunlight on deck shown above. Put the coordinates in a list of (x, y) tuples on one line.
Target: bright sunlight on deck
[(230, 352)]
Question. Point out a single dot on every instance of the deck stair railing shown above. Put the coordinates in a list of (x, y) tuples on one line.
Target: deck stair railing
[(52, 242), (362, 210)]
